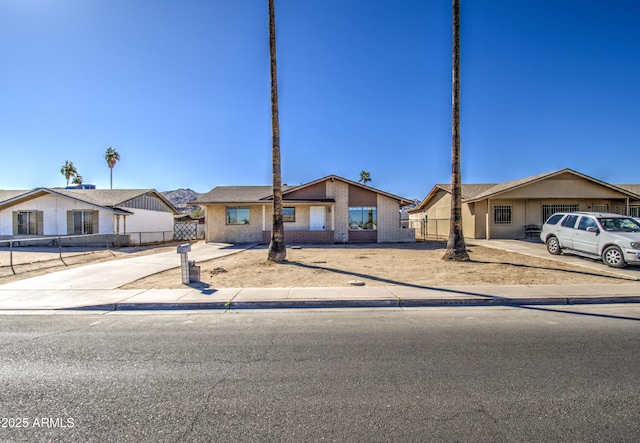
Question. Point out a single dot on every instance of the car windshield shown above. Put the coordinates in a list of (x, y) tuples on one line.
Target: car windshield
[(619, 224)]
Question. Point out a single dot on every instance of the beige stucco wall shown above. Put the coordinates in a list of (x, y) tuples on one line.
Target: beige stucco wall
[(438, 212), (564, 186), (218, 230)]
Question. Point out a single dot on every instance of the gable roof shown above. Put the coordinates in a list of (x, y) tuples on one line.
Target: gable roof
[(403, 201), (6, 194), (515, 184), (261, 194), (468, 192), (474, 193), (107, 199), (237, 194)]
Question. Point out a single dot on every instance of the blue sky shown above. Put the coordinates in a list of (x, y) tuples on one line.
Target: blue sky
[(181, 91)]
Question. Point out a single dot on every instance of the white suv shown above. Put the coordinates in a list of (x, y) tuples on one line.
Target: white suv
[(611, 237)]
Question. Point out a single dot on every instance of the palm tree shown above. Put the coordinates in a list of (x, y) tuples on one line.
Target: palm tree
[(456, 249), (277, 246), (77, 180), (68, 170), (365, 176), (112, 157)]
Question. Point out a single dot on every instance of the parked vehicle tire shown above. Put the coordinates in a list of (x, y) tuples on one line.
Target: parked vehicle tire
[(612, 256), (553, 246)]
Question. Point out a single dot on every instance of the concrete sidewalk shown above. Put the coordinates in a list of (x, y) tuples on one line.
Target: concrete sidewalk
[(94, 288), (261, 298)]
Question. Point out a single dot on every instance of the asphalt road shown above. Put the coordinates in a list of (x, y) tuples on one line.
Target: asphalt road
[(436, 374)]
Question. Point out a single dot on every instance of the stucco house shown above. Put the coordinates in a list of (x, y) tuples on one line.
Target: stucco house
[(502, 211), (62, 212), (328, 210)]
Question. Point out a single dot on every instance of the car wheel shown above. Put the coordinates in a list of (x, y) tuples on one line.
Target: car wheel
[(553, 246), (612, 256)]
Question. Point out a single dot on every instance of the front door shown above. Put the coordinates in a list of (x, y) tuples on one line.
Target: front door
[(318, 218)]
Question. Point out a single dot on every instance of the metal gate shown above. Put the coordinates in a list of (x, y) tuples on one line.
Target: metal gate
[(185, 231), (431, 229)]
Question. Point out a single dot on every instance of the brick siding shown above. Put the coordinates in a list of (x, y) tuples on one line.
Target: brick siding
[(302, 237)]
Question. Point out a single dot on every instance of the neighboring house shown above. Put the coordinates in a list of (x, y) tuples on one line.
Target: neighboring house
[(503, 210), (329, 210), (56, 212)]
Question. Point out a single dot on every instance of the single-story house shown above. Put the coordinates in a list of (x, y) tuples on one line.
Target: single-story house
[(328, 210), (502, 211), (61, 212)]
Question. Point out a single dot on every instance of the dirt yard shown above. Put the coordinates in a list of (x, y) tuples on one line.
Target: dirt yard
[(400, 264)]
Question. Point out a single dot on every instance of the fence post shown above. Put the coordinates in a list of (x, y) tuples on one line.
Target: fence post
[(11, 257), (60, 250)]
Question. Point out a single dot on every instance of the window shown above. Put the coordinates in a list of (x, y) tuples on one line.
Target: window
[(288, 215), (502, 214), (27, 223), (238, 215), (619, 224), (554, 219), (83, 222), (361, 218), (569, 221), (549, 210), (634, 210), (587, 222), (600, 208)]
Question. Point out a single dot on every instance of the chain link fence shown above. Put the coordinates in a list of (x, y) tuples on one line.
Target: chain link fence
[(26, 254)]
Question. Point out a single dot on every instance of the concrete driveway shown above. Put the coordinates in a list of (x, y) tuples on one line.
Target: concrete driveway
[(115, 273), (538, 249)]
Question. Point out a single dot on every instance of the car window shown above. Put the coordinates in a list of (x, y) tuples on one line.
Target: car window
[(619, 224), (569, 221), (586, 222), (554, 219)]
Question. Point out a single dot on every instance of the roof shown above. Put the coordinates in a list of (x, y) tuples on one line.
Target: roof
[(237, 194), (468, 192), (511, 185), (634, 189), (261, 194), (9, 194), (105, 198), (472, 193)]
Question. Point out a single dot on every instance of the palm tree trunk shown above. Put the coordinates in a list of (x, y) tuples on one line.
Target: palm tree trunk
[(277, 247), (456, 249), (111, 177)]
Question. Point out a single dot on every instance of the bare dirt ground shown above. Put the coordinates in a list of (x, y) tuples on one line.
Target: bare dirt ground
[(417, 264)]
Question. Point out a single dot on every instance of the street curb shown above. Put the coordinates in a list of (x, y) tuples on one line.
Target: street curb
[(320, 304), (149, 306), (292, 304)]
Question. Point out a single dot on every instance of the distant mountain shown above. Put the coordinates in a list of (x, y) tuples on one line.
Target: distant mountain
[(180, 197)]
